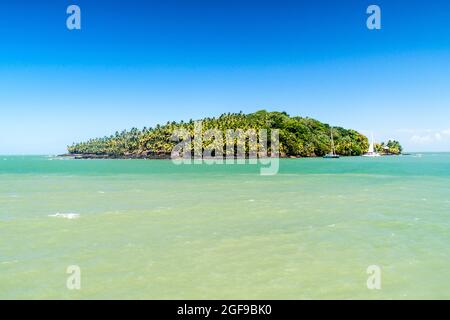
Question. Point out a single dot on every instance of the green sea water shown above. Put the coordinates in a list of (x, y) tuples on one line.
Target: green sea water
[(153, 230)]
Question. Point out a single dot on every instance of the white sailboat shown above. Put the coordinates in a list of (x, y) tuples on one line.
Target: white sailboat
[(332, 154), (371, 152)]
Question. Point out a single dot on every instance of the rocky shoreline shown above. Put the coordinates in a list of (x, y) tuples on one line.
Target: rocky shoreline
[(150, 156), (160, 156), (143, 156)]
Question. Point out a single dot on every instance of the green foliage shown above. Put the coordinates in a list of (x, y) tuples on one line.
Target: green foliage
[(299, 136), (391, 147)]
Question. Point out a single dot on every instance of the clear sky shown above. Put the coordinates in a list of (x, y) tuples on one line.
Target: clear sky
[(139, 63)]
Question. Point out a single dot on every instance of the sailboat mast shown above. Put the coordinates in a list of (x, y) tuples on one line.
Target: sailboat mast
[(332, 141)]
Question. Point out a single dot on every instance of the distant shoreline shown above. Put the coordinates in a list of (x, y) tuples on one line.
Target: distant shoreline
[(168, 157), (118, 157)]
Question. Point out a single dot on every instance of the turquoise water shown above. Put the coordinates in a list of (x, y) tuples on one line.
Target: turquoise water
[(154, 230)]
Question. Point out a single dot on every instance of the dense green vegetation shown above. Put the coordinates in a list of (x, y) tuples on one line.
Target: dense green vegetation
[(299, 136), (391, 147)]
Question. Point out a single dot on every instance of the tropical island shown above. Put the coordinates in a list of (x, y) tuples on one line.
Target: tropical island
[(392, 147), (298, 137)]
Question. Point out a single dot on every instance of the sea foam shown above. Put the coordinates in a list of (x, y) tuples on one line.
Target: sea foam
[(65, 215)]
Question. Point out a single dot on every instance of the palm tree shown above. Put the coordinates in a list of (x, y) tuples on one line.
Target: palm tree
[(298, 136)]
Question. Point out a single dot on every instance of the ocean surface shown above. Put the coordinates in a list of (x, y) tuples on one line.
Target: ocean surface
[(149, 229)]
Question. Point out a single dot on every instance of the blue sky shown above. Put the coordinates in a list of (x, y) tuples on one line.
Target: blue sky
[(139, 63)]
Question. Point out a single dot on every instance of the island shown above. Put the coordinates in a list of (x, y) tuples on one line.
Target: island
[(298, 137)]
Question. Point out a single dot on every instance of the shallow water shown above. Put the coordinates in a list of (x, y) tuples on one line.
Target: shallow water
[(151, 229)]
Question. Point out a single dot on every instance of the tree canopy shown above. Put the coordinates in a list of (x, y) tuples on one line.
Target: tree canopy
[(299, 136), (391, 147)]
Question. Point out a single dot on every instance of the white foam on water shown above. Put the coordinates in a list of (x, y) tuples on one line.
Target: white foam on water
[(9, 262), (65, 215)]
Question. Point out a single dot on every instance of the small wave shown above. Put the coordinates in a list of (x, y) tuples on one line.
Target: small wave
[(9, 262), (65, 215)]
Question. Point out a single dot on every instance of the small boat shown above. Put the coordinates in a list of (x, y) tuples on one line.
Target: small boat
[(371, 153), (332, 154)]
